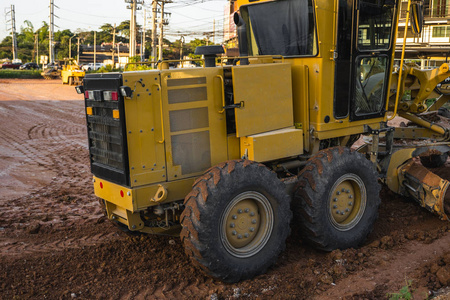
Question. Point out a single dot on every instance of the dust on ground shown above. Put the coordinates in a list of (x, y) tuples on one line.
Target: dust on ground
[(55, 242)]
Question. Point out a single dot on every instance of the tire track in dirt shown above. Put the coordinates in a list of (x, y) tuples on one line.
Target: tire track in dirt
[(54, 149), (21, 246)]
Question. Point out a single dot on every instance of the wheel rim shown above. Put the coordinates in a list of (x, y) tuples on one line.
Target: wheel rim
[(347, 202), (246, 224)]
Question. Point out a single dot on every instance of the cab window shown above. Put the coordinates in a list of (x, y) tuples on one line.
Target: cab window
[(282, 28)]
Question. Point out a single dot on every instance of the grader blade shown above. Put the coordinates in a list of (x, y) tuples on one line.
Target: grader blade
[(430, 190)]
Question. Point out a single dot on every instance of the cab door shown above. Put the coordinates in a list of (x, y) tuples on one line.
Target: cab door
[(366, 35)]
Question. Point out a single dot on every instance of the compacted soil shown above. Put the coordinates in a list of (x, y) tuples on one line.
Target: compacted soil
[(56, 244)]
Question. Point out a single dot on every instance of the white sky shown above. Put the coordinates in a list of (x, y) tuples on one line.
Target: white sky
[(187, 16)]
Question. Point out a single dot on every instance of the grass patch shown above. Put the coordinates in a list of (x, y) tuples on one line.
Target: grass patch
[(405, 293), (21, 74)]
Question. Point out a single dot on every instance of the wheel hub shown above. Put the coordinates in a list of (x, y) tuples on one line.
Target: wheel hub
[(347, 202), (243, 223), (247, 224)]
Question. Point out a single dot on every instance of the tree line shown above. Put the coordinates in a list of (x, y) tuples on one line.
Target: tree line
[(31, 40)]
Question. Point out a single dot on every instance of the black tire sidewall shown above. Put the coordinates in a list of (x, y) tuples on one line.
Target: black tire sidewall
[(349, 163), (244, 179)]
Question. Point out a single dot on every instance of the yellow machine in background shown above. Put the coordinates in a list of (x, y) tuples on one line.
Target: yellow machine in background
[(71, 73), (233, 154)]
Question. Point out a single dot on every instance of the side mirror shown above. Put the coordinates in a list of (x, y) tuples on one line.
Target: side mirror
[(416, 17)]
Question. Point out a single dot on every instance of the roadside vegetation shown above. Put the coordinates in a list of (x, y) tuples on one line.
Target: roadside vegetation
[(21, 74)]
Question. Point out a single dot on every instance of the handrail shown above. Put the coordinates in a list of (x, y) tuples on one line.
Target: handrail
[(223, 92), (161, 109), (221, 58), (400, 72)]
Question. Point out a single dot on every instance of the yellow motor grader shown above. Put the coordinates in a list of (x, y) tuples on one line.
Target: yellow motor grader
[(229, 156), (71, 72)]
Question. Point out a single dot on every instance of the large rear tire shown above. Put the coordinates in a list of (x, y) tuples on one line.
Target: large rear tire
[(236, 220), (337, 199)]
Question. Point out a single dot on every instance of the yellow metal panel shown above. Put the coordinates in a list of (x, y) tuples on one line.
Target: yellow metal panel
[(233, 147), (194, 121), (144, 128), (116, 194), (273, 145), (139, 198), (176, 190), (266, 94)]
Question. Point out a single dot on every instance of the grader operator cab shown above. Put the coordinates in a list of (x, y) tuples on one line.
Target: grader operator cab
[(233, 155)]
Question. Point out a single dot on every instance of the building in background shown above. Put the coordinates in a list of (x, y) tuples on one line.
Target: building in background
[(432, 47)]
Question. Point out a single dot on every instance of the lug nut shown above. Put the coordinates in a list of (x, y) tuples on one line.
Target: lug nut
[(232, 225), (348, 191), (239, 211), (342, 213), (253, 221), (247, 210), (246, 235), (350, 203), (234, 217), (343, 190), (239, 236), (252, 229), (338, 193), (335, 206), (347, 210), (335, 199), (338, 212), (350, 196), (234, 232), (252, 214)]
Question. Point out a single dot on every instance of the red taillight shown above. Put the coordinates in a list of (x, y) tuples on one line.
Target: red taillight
[(121, 194), (101, 185), (90, 95), (110, 95)]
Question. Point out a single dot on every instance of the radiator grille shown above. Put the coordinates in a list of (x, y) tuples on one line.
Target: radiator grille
[(107, 140)]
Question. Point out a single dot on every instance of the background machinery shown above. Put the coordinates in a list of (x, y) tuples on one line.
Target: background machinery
[(234, 154), (71, 73)]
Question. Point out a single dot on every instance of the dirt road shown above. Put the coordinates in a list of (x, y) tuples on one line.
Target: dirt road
[(56, 244)]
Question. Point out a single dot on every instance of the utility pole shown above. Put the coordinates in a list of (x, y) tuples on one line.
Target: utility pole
[(161, 29), (113, 45), (36, 45), (78, 50), (51, 33), (154, 11), (181, 48), (133, 6), (13, 31), (214, 31), (95, 48), (162, 22), (70, 46), (143, 36)]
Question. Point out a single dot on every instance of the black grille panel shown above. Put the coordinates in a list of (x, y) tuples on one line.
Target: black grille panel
[(107, 138)]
